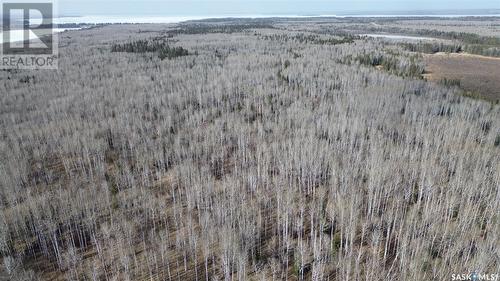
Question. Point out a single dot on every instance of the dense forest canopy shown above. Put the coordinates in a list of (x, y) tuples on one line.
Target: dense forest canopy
[(257, 151)]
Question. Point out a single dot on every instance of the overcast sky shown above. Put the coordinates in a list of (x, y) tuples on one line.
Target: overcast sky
[(262, 7)]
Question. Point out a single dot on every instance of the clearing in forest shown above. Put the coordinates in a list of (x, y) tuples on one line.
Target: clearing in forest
[(477, 74)]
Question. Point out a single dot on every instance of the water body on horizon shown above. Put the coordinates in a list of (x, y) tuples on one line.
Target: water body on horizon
[(98, 19), (17, 35)]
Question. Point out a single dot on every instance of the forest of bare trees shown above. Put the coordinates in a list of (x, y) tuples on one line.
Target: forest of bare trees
[(270, 152)]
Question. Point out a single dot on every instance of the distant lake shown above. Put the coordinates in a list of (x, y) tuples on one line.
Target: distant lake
[(18, 35)]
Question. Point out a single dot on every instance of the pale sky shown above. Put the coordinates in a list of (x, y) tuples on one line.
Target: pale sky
[(264, 7)]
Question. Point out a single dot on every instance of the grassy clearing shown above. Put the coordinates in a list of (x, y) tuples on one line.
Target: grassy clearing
[(477, 75)]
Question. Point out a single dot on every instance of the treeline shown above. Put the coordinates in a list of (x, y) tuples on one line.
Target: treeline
[(309, 39), (492, 51), (432, 48), (404, 66), (148, 46), (465, 37), (199, 28)]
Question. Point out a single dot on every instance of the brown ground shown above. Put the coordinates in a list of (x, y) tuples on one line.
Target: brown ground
[(479, 75)]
